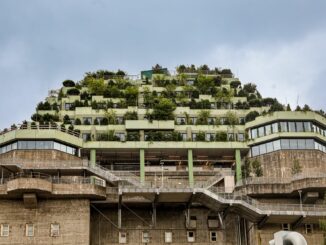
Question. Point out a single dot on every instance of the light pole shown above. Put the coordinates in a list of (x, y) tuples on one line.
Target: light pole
[(300, 191)]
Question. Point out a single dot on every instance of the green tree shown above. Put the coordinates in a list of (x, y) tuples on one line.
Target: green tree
[(257, 168), (111, 116), (202, 118), (131, 95), (96, 86), (204, 84), (163, 110)]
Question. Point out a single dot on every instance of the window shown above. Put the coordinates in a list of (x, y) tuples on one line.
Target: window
[(309, 228), (168, 237), (275, 128), (293, 144), (69, 106), (240, 137), (4, 229), (310, 144), (262, 149), (99, 120), (230, 137), (184, 136), (120, 120), (190, 236), (242, 120), (213, 236), (254, 133), (277, 145), (285, 144), (145, 237), (307, 126), (261, 131), (301, 144), (269, 147), (193, 120), (181, 120), (122, 237), (283, 126), (210, 137), (286, 227), (193, 222), (255, 151), (55, 229), (291, 126), (194, 136), (211, 120), (86, 137), (121, 136), (268, 129), (299, 126), (223, 120), (87, 120), (29, 230), (212, 222)]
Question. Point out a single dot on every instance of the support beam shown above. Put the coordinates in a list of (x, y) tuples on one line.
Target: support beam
[(92, 157), (262, 222), (190, 168), (297, 223), (238, 165), (226, 212), (119, 212), (142, 165)]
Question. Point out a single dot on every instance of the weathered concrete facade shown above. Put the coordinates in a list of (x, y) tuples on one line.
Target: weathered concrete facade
[(72, 215)]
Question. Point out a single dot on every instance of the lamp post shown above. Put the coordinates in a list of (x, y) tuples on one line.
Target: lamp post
[(300, 191)]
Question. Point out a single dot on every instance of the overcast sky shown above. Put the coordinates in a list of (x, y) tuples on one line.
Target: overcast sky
[(279, 45)]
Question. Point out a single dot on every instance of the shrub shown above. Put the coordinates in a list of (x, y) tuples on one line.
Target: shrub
[(68, 83), (73, 91), (200, 136), (131, 115), (163, 110), (77, 121), (257, 168), (133, 136), (252, 116), (221, 136), (235, 84)]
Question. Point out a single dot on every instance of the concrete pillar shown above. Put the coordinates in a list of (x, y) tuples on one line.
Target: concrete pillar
[(93, 157), (189, 133), (190, 168), (142, 165), (238, 165), (141, 135)]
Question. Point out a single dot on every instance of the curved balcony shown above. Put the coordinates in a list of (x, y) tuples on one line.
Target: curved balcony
[(35, 182)]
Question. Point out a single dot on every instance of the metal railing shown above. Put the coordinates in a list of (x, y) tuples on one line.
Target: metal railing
[(42, 127), (280, 180)]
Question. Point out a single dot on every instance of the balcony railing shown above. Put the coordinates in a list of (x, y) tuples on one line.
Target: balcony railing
[(42, 127)]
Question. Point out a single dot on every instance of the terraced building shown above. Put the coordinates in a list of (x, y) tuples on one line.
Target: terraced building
[(194, 157)]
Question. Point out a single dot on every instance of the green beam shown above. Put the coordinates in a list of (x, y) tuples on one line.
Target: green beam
[(238, 164), (142, 165), (93, 157), (190, 168)]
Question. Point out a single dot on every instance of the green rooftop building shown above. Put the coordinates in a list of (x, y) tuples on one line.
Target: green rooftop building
[(194, 157)]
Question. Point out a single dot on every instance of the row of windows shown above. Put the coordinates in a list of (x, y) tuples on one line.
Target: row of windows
[(210, 120), (286, 127), (287, 144), (30, 230), (168, 237), (208, 137), (38, 145)]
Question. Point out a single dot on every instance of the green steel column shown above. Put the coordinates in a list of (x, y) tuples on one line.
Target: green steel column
[(93, 157), (238, 164), (142, 165), (190, 168)]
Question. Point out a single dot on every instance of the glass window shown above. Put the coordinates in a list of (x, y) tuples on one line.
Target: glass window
[(293, 144), (261, 131), (240, 137), (31, 145), (277, 145), (268, 129), (194, 136), (29, 230), (310, 144), (168, 237), (254, 133), (299, 126), (63, 148), (213, 236), (193, 120), (284, 127), (211, 120), (230, 137), (184, 136), (56, 146), (262, 148), (269, 147), (69, 150), (181, 120), (291, 126), (14, 146), (55, 228), (22, 145), (307, 126), (285, 144), (301, 144), (255, 151), (275, 127), (4, 229)]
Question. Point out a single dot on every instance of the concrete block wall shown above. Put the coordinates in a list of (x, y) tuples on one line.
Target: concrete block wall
[(72, 216), (280, 163)]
